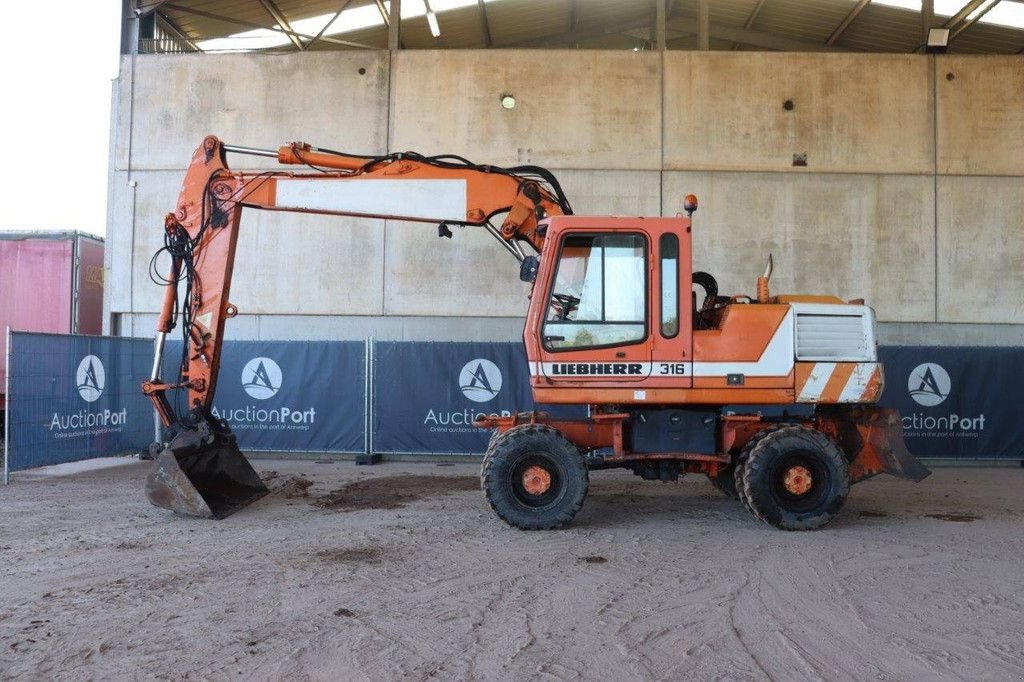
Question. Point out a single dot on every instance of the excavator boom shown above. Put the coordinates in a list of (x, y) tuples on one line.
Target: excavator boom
[(201, 470)]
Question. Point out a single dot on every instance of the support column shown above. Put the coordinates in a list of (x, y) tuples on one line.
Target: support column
[(703, 25), (659, 24), (395, 25), (927, 19), (129, 28)]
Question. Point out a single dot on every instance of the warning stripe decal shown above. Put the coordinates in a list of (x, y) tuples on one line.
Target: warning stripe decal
[(839, 382)]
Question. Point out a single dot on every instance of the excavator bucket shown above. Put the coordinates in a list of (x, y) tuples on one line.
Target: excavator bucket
[(203, 475), (872, 438)]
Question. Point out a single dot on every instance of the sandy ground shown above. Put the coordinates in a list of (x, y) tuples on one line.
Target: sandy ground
[(653, 581)]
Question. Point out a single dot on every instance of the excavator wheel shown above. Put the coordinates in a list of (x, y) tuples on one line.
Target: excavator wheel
[(793, 478), (534, 478), (725, 482), (495, 435)]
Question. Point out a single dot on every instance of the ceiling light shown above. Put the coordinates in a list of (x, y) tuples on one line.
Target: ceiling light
[(508, 101), (435, 29)]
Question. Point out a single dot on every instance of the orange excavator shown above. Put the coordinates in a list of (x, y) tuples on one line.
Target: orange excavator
[(614, 323)]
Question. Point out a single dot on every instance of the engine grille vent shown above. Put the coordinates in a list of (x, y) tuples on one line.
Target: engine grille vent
[(834, 337)]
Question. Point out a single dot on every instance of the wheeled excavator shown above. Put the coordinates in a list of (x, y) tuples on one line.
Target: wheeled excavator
[(614, 323)]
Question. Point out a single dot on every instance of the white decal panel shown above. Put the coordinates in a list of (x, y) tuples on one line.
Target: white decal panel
[(431, 200), (816, 382), (605, 370)]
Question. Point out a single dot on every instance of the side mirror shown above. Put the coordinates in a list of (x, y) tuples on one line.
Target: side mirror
[(528, 269)]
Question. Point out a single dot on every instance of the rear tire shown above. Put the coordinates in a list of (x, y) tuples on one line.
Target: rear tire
[(726, 479), (793, 478), (534, 478)]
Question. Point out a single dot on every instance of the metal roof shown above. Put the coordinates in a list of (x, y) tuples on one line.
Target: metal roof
[(784, 25)]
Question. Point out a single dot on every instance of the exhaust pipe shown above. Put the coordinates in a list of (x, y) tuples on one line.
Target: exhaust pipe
[(763, 295)]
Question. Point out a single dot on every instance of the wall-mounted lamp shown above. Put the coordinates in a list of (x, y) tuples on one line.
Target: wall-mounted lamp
[(938, 41)]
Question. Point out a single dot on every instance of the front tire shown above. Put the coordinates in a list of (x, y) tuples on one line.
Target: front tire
[(534, 478), (794, 478)]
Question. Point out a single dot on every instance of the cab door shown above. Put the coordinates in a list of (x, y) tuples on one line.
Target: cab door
[(596, 325)]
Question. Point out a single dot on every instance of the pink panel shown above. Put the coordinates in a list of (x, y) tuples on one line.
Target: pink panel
[(35, 288)]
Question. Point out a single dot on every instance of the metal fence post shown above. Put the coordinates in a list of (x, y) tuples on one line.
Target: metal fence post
[(368, 456), (7, 409)]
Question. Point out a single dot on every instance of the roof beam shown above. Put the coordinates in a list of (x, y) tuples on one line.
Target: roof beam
[(752, 17), (971, 22), (250, 24), (485, 26), (282, 21), (680, 26), (847, 20), (147, 6), (761, 39), (579, 34), (964, 12), (176, 30), (383, 12), (337, 14)]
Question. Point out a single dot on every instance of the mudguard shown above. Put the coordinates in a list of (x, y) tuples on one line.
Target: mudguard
[(872, 439)]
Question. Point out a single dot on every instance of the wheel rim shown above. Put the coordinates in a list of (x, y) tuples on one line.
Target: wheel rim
[(535, 481), (800, 481)]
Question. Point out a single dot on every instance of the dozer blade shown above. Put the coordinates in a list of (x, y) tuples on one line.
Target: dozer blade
[(872, 438), (209, 480)]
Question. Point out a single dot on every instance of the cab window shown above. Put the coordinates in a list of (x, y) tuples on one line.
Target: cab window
[(668, 253), (599, 297)]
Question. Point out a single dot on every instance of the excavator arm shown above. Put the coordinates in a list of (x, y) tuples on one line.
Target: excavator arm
[(201, 471)]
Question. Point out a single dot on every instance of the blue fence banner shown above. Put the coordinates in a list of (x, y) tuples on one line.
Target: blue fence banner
[(427, 394), (76, 397), (289, 396), (957, 402)]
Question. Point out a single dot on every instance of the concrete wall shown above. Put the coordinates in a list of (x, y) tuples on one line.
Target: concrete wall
[(912, 195)]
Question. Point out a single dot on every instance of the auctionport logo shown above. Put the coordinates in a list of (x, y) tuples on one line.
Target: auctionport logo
[(90, 381), (261, 378), (90, 378), (480, 380), (929, 384)]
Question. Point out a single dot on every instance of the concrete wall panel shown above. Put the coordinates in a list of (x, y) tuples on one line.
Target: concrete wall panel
[(980, 115), (286, 262), (981, 253), (852, 236), (117, 287), (574, 109), (470, 274), (858, 221), (254, 100), (852, 113)]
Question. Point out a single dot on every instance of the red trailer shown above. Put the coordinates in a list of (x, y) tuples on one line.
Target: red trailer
[(49, 282)]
